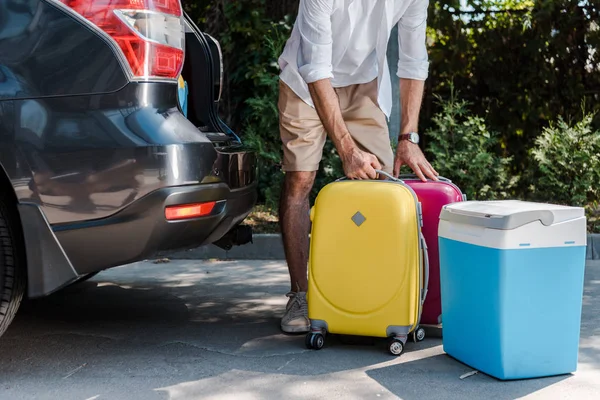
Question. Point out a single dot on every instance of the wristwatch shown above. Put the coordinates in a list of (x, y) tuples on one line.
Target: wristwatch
[(411, 137)]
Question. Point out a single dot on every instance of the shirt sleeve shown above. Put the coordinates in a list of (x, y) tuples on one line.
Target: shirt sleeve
[(413, 62), (314, 25)]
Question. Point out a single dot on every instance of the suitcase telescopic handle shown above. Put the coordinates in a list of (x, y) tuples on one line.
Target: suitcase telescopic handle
[(387, 175), (343, 178), (400, 177), (426, 268), (414, 176)]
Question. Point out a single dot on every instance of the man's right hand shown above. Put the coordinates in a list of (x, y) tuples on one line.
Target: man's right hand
[(359, 164)]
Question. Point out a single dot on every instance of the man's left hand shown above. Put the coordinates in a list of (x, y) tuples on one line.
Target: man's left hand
[(410, 154)]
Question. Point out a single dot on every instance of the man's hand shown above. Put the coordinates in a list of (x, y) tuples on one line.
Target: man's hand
[(359, 164), (410, 154)]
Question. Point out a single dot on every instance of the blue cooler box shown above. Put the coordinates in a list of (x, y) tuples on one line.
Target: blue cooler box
[(512, 286)]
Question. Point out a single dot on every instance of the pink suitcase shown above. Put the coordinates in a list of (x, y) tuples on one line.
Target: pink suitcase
[(433, 196)]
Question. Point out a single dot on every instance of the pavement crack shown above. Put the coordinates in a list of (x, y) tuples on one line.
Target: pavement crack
[(285, 365), (229, 353), (73, 372)]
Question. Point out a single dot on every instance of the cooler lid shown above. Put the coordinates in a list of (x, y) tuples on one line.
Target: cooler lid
[(508, 214)]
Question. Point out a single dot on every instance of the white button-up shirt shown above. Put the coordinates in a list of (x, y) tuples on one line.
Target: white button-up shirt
[(346, 41)]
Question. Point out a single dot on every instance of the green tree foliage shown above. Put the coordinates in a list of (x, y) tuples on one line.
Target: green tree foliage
[(467, 151), (520, 63)]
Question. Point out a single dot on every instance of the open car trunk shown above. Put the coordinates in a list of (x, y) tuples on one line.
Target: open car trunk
[(202, 70)]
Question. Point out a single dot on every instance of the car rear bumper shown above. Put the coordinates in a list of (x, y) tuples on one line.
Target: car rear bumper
[(64, 253), (141, 229)]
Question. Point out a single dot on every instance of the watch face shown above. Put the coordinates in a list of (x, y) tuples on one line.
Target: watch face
[(414, 137)]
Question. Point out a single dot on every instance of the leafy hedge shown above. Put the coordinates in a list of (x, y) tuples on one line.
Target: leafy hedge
[(520, 66), (564, 160)]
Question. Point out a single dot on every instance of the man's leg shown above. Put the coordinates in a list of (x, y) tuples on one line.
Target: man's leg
[(295, 225), (303, 138)]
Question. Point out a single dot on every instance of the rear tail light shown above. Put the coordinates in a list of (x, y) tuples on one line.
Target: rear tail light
[(188, 211), (149, 33)]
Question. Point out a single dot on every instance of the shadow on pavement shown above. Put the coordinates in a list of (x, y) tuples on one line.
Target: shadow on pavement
[(438, 377)]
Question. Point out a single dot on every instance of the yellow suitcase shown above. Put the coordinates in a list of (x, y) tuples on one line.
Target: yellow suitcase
[(368, 266)]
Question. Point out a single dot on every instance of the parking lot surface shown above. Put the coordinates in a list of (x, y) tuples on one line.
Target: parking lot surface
[(210, 330)]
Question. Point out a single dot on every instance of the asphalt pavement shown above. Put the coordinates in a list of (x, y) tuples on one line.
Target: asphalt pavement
[(190, 329)]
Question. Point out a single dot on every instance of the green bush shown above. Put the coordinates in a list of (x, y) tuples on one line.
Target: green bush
[(261, 127), (567, 159), (463, 149)]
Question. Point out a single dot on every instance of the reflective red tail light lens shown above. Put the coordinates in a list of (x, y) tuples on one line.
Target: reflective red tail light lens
[(149, 33), (188, 211)]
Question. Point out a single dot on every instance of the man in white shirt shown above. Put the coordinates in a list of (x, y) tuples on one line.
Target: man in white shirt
[(335, 82)]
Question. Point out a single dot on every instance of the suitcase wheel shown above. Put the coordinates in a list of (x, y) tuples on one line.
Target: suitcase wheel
[(395, 346), (419, 335), (314, 341)]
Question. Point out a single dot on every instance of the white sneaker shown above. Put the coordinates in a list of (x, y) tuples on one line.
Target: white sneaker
[(296, 319)]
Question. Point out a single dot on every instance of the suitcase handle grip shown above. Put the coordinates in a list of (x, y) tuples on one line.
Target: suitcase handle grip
[(343, 178), (387, 175), (400, 177), (426, 269), (414, 176)]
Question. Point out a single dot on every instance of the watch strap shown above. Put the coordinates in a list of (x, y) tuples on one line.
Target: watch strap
[(407, 136)]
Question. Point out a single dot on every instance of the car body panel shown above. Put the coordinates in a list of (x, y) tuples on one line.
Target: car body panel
[(94, 158)]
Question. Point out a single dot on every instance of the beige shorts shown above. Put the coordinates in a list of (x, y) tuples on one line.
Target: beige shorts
[(304, 136)]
